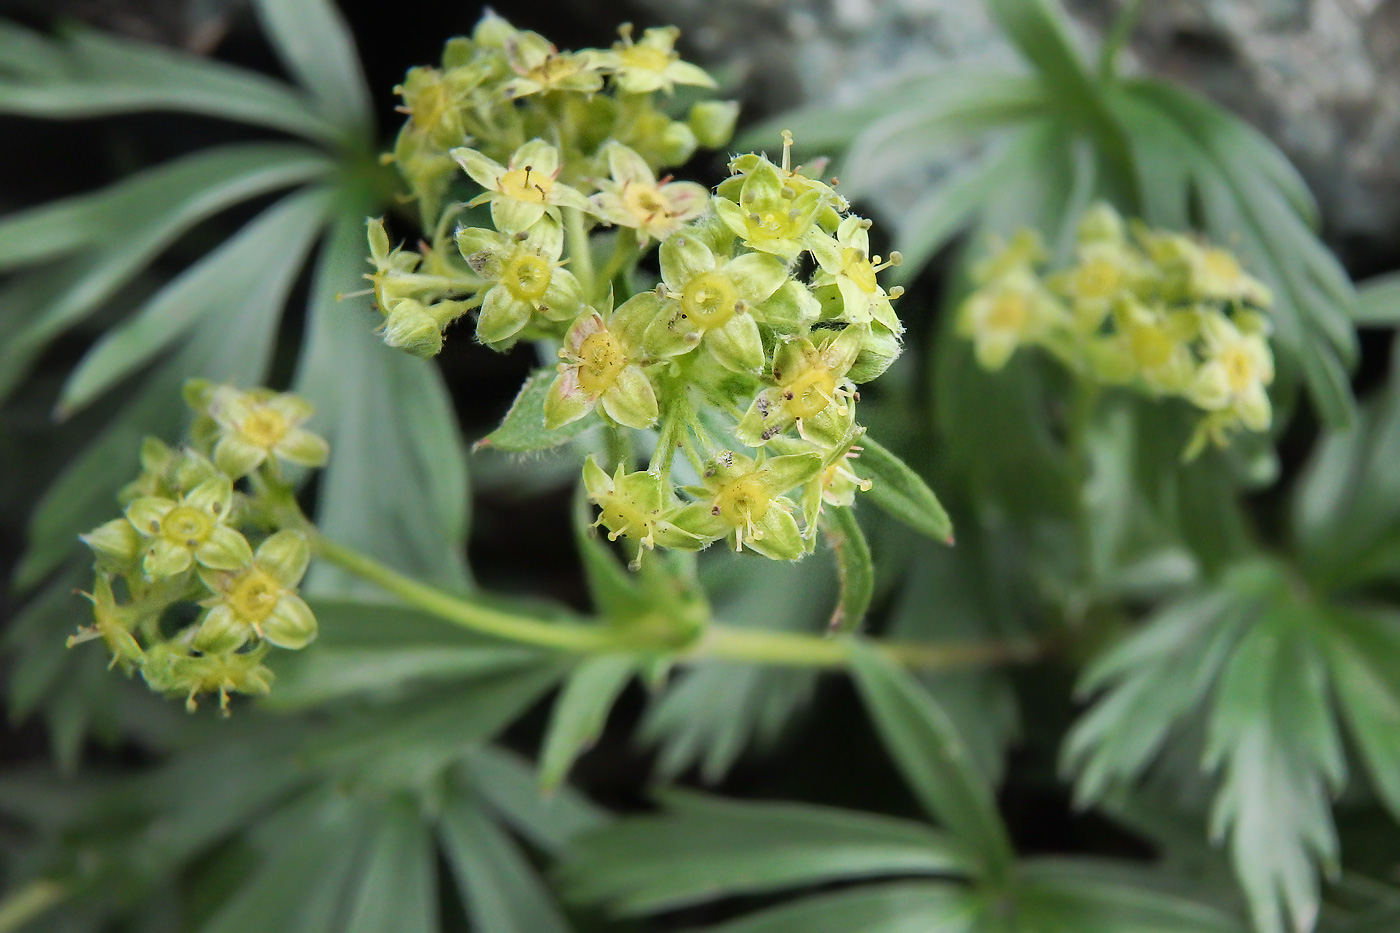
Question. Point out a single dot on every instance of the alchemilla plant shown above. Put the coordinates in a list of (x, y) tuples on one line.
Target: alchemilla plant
[(745, 402)]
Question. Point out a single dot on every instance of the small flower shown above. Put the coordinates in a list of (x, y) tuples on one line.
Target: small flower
[(1017, 258), (632, 197), (1158, 344), (259, 599), (525, 189), (402, 275), (1238, 368), (810, 390), (835, 486), (1013, 310), (542, 68), (255, 425), (771, 216), (171, 669), (833, 204), (523, 277), (711, 301), (743, 501), (435, 101), (712, 122), (636, 505), (652, 64), (601, 365), (846, 262), (191, 530), (111, 623)]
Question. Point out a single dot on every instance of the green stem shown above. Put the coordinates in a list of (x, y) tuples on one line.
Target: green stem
[(719, 642), (20, 907), (625, 248), (1081, 421), (580, 251)]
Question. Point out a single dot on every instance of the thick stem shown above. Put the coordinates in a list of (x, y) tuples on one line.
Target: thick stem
[(719, 642), (21, 906)]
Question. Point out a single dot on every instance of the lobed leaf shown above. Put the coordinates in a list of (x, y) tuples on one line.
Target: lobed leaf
[(904, 907), (315, 43), (523, 429), (580, 713), (902, 493), (854, 569)]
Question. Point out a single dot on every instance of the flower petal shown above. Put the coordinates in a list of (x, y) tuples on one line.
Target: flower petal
[(225, 549), (145, 514), (502, 316), (630, 400), (237, 457), (284, 556), (291, 624), (303, 448)]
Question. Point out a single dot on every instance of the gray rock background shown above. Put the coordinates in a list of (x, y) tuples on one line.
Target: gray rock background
[(1319, 77)]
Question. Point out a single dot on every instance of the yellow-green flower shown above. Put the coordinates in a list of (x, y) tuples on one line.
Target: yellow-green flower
[(638, 506), (742, 501), (633, 197), (524, 278), (253, 426), (1238, 369), (652, 63), (601, 365), (171, 669), (540, 67), (179, 534), (846, 263), (771, 216), (524, 189), (1012, 311), (259, 599), (811, 391)]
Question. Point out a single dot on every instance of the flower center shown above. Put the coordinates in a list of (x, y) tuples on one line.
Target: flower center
[(253, 596), (1151, 347), (622, 518), (744, 501), (644, 57), (1009, 311), (601, 360), (709, 299), (1098, 278), (810, 392), (526, 277), (553, 69), (1239, 369), (526, 184), (855, 265), (186, 525), (644, 201), (263, 428), (1221, 266)]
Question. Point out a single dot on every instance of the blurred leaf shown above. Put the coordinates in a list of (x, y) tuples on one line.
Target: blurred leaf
[(580, 713), (1150, 682), (222, 282), (904, 907), (499, 886), (315, 43), (705, 848), (194, 188), (511, 787), (102, 75), (930, 754), (523, 429), (396, 485), (1363, 653), (386, 651), (1106, 897), (396, 891), (1378, 301), (903, 493), (854, 569)]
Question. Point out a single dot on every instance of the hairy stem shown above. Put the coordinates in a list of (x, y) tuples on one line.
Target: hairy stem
[(719, 642)]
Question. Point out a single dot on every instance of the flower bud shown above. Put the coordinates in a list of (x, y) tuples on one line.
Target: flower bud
[(878, 351), (676, 145), (712, 122), (411, 327)]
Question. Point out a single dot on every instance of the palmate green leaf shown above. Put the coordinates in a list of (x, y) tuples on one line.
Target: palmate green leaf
[(1151, 681), (396, 485), (222, 282), (1164, 160), (24, 52), (523, 430), (854, 569), (903, 907), (703, 848), (1273, 737), (197, 188), (903, 493), (963, 106), (930, 754), (499, 886), (580, 712), (1056, 894), (228, 348), (1378, 301), (315, 43), (103, 75), (715, 711), (384, 651), (396, 891)]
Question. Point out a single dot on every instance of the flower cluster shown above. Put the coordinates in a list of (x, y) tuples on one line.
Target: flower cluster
[(745, 355), (198, 578), (1161, 312)]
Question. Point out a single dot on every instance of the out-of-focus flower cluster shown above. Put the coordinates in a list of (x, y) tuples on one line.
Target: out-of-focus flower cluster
[(745, 357), (198, 578), (1161, 312)]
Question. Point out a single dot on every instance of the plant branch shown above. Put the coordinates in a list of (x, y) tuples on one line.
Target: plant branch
[(718, 642), (580, 251)]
